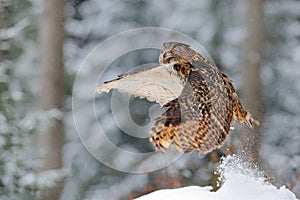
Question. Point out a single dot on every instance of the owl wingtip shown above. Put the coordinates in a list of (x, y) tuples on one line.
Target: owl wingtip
[(101, 89)]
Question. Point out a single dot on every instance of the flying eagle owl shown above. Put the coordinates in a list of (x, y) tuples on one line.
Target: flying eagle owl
[(199, 100)]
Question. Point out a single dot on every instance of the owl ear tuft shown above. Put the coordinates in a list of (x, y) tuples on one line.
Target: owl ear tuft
[(181, 44), (176, 44)]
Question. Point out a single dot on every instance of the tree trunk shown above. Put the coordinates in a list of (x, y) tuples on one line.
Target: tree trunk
[(250, 91), (50, 139)]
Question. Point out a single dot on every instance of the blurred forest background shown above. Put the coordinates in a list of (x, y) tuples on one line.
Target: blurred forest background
[(43, 43)]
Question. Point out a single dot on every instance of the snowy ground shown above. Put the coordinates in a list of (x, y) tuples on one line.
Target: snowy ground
[(239, 181)]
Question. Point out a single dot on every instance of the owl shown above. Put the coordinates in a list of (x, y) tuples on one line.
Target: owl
[(198, 99)]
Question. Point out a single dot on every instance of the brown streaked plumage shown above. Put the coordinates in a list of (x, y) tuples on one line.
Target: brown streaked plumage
[(199, 107)]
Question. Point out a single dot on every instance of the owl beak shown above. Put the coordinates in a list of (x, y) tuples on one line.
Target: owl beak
[(166, 56)]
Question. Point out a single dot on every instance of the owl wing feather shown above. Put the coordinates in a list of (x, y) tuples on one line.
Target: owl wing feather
[(199, 119), (155, 84)]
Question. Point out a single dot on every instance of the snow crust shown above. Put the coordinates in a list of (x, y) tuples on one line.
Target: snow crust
[(239, 181)]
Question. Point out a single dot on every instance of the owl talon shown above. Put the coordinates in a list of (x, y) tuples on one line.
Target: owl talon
[(250, 121)]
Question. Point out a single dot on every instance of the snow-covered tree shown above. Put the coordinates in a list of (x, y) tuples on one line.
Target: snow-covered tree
[(217, 25)]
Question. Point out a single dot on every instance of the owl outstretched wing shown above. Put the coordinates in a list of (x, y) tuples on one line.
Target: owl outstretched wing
[(155, 84)]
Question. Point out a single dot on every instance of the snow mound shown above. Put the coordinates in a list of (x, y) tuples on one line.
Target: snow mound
[(239, 181)]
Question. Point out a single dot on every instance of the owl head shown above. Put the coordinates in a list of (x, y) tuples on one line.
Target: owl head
[(174, 50)]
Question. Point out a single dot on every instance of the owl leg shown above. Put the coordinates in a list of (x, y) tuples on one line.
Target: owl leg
[(241, 115)]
